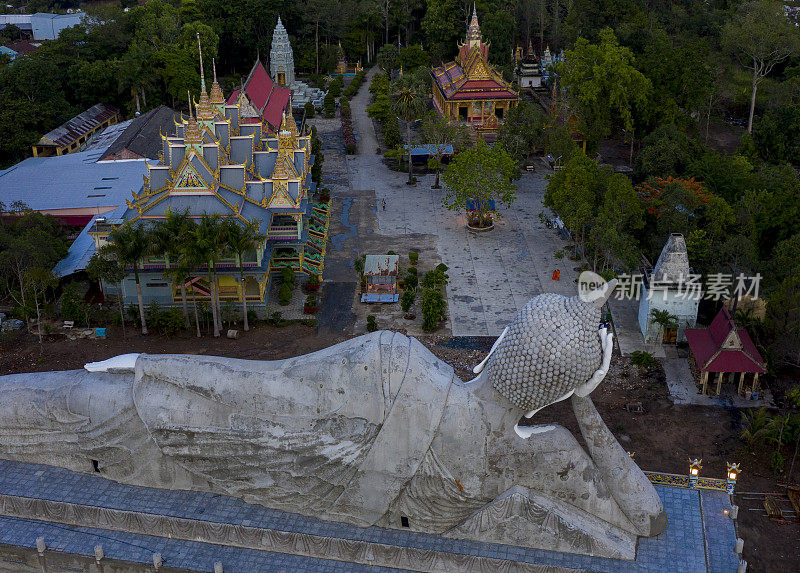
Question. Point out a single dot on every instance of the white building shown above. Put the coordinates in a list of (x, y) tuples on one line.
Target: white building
[(281, 68), (669, 286)]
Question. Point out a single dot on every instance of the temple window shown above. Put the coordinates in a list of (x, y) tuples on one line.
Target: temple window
[(498, 111), (462, 112)]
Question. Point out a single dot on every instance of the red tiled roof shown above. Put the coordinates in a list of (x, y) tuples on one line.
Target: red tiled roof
[(484, 94), (271, 100), (22, 47), (706, 346), (278, 102)]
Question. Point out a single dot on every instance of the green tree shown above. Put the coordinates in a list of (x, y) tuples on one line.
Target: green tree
[(777, 135), (242, 239), (760, 36), (522, 131), (665, 152), (39, 281), (443, 27), (438, 133), (408, 104), (165, 240), (208, 240), (664, 319), (603, 86), (620, 213), (479, 174), (574, 192), (129, 245), (104, 266)]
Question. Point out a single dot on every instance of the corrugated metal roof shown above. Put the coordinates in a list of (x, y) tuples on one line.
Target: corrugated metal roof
[(142, 135), (79, 125), (387, 265), (71, 181)]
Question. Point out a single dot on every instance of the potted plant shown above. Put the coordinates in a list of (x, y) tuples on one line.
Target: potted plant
[(312, 284), (310, 306)]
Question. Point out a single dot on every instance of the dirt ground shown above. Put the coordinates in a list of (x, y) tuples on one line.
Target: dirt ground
[(663, 437)]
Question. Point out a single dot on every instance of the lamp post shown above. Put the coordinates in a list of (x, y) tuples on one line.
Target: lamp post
[(695, 466), (733, 475)]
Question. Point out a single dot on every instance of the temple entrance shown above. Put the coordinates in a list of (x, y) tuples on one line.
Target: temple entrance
[(498, 112), (670, 336), (282, 78), (462, 113)]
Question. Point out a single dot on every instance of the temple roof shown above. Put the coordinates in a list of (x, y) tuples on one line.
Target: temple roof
[(723, 348), (471, 76), (673, 263), (269, 99), (141, 136), (79, 125)]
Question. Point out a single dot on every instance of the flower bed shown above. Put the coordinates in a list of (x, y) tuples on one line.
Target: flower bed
[(348, 133)]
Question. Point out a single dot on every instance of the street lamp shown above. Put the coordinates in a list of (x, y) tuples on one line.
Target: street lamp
[(695, 466), (733, 475)]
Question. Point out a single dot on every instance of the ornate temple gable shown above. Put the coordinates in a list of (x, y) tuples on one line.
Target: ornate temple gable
[(189, 180), (280, 196)]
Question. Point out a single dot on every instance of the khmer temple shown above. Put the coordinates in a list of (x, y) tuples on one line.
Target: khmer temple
[(470, 90), (221, 161), (281, 69)]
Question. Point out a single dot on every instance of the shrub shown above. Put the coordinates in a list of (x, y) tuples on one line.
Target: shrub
[(372, 323), (642, 359), (329, 103), (413, 256), (433, 306), (72, 305), (287, 276), (276, 318), (407, 298), (309, 109), (776, 462), (793, 395), (411, 280), (252, 316), (436, 278), (284, 294)]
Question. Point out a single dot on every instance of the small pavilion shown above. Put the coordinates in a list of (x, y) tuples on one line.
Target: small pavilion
[(723, 349)]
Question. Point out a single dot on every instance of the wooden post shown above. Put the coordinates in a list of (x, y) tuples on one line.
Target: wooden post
[(704, 378), (719, 383), (741, 384), (755, 383)]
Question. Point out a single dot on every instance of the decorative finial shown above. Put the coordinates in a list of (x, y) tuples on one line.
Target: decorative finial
[(202, 74)]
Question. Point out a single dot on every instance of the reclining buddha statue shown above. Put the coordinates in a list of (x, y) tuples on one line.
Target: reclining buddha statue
[(373, 431)]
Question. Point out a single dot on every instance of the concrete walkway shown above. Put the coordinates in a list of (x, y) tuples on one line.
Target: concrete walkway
[(493, 274)]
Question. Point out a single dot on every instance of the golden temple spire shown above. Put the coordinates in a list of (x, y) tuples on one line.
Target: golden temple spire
[(474, 30), (217, 97), (204, 112), (289, 124), (202, 74), (192, 133)]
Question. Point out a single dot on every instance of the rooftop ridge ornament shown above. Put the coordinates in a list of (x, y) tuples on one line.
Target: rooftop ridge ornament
[(217, 97), (192, 132)]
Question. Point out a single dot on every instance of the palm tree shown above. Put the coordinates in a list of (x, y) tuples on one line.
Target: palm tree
[(131, 244), (190, 257), (207, 242), (408, 103), (664, 319), (166, 238), (240, 239)]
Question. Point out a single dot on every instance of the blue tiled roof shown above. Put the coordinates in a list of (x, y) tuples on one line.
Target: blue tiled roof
[(71, 182), (700, 537)]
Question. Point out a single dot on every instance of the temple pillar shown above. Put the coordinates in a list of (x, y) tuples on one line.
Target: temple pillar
[(755, 382), (719, 383), (741, 384), (704, 379)]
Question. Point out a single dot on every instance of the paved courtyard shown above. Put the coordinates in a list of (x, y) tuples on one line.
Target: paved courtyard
[(699, 538), (492, 275)]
